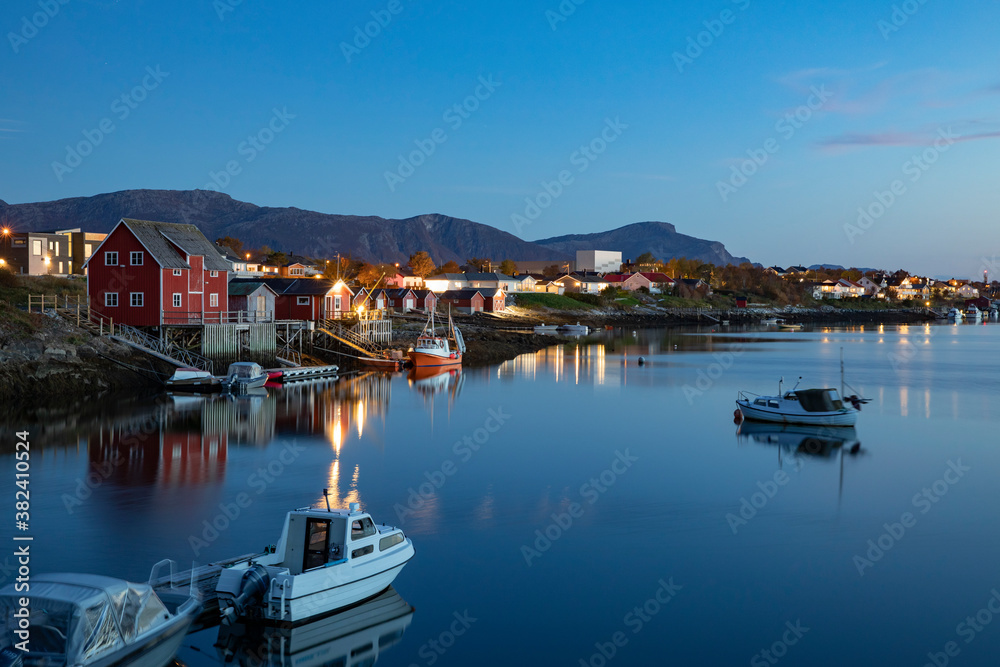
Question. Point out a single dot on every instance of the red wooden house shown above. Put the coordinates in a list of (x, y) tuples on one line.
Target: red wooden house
[(426, 299), (462, 300), (153, 273), (401, 300), (307, 299), (361, 299), (494, 301)]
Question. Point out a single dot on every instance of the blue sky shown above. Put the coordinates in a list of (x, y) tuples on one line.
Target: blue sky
[(897, 116)]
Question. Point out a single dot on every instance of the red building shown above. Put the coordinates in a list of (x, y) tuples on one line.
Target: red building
[(462, 300), (401, 300), (494, 301), (426, 299), (307, 299), (153, 273)]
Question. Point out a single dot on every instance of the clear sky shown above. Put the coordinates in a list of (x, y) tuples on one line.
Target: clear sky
[(647, 110)]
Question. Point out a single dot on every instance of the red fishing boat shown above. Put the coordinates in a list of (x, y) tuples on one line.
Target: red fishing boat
[(438, 351)]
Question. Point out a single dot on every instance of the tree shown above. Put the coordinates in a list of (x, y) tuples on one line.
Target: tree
[(368, 275), (450, 266), (646, 259), (421, 264), (233, 244), (481, 264), (276, 258), (551, 271), (508, 267)]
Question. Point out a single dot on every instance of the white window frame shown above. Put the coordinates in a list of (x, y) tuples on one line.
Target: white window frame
[(336, 302), (213, 274), (110, 258), (133, 255), (295, 272), (178, 272), (178, 300), (36, 243), (132, 299), (213, 300), (302, 301), (108, 299)]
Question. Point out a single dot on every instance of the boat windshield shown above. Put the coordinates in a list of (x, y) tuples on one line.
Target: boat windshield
[(244, 371), (819, 400)]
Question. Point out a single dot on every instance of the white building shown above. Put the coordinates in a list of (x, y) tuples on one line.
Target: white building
[(601, 261)]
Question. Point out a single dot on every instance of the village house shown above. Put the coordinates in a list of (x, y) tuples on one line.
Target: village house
[(494, 301), (426, 299), (445, 281), (658, 282), (463, 300), (308, 299), (153, 273), (403, 277), (871, 287), (253, 298), (401, 300), (36, 253), (526, 282)]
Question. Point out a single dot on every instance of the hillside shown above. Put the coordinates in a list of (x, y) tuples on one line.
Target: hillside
[(659, 238)]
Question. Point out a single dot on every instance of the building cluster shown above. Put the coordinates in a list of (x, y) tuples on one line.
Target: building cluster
[(884, 286)]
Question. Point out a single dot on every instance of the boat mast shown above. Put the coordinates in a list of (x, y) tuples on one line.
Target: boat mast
[(841, 372)]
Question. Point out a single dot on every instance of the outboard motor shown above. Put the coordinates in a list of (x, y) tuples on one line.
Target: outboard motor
[(255, 583)]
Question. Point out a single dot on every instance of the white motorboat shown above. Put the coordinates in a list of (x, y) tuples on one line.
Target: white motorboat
[(770, 322), (192, 379), (243, 375), (85, 620), (546, 328), (955, 314), (973, 313), (325, 560), (819, 407), (575, 328), (357, 636)]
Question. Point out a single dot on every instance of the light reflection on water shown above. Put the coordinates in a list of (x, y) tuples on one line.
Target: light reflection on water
[(160, 469)]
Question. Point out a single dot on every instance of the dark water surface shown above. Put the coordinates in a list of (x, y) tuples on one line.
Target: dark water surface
[(573, 505)]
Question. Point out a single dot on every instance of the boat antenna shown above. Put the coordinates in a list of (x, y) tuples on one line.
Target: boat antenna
[(326, 496), (842, 372), (780, 383)]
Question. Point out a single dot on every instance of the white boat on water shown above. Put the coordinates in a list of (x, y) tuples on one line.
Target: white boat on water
[(820, 407), (243, 375), (955, 314), (973, 313), (770, 322), (574, 328), (192, 379), (85, 620), (325, 560), (546, 328)]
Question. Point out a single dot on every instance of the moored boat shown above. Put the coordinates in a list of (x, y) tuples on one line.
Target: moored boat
[(973, 313), (546, 328), (432, 350), (788, 326), (955, 314), (325, 560), (243, 375), (85, 620), (387, 362), (819, 407), (575, 328), (192, 379)]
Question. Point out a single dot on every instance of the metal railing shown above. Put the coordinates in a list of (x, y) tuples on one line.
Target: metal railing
[(341, 331), (175, 317), (188, 358)]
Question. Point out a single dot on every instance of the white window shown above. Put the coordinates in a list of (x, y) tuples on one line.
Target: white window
[(88, 249), (36, 248), (178, 272), (302, 301), (50, 245), (135, 258), (213, 274), (336, 303), (295, 272), (135, 299), (213, 300), (110, 258), (177, 299), (57, 247), (111, 299)]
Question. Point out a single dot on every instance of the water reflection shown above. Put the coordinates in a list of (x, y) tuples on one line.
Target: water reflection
[(815, 441), (355, 637)]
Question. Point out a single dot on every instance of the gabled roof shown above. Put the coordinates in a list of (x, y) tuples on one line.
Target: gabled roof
[(657, 277), (228, 253), (241, 288), (421, 293), (447, 276), (398, 293), (162, 239), (615, 277), (487, 276)]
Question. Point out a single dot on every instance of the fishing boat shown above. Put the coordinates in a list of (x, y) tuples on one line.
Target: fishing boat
[(192, 380), (973, 313), (432, 350), (243, 375), (955, 314), (325, 560), (357, 636), (387, 361), (85, 620)]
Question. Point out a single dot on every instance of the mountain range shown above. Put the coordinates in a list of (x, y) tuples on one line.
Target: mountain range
[(369, 238)]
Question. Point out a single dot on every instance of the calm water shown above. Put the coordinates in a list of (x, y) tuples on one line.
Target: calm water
[(594, 506)]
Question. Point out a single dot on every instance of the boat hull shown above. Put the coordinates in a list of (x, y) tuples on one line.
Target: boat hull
[(845, 417), (381, 364), (425, 360)]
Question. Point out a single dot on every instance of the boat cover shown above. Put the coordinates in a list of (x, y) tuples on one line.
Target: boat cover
[(819, 400), (83, 617)]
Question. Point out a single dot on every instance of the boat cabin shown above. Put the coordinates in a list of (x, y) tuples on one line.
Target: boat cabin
[(315, 538)]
